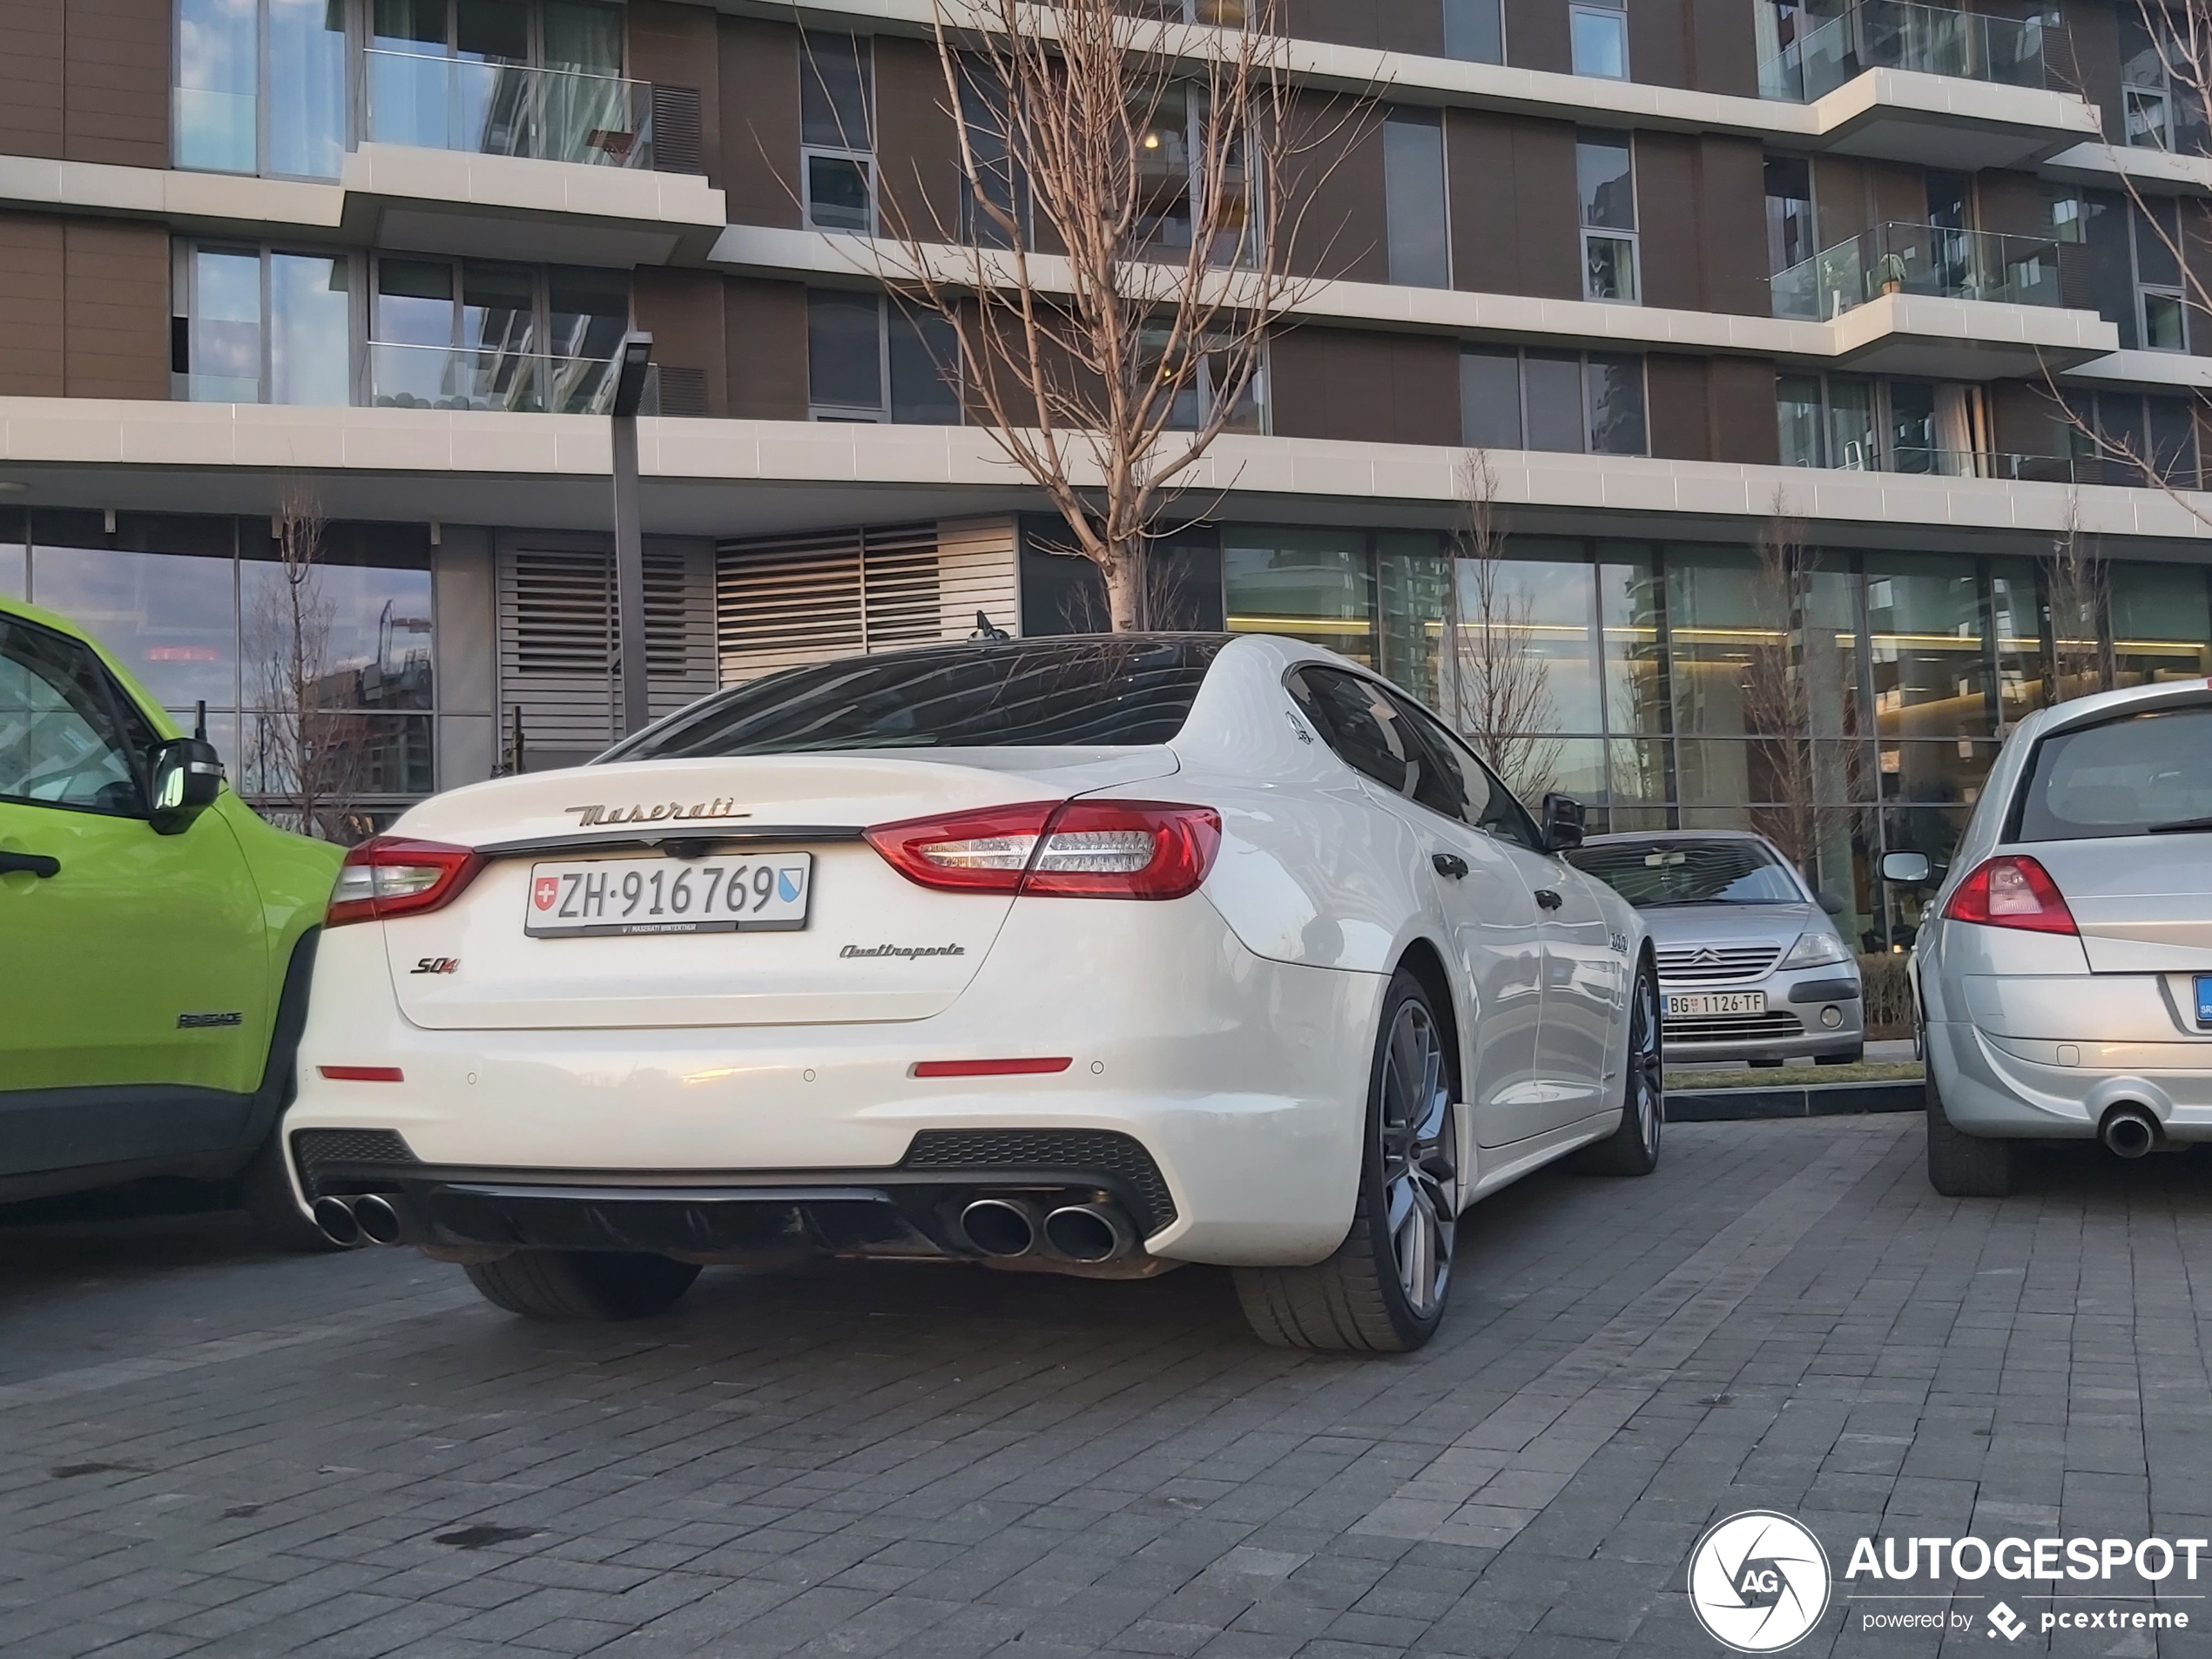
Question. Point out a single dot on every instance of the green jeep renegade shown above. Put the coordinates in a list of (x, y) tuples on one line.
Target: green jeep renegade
[(155, 940)]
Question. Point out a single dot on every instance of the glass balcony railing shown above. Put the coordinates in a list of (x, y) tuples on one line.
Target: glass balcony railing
[(1919, 259), (506, 110), (487, 378), (1896, 34)]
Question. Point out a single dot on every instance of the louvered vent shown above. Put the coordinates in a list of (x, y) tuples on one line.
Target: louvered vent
[(675, 129), (679, 392), (556, 640), (784, 600)]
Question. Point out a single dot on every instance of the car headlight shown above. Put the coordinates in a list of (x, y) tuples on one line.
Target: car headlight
[(1814, 949)]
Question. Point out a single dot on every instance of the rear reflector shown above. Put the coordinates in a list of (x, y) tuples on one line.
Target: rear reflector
[(362, 1074), (986, 1067), (2011, 891), (1076, 849), (388, 875)]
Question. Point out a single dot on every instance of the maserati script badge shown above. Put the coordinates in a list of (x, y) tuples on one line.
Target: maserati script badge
[(660, 813)]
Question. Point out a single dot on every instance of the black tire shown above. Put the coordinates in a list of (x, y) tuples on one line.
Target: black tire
[(265, 1193), (1633, 1149), (1358, 1300), (582, 1284), (1849, 1058), (1962, 1165)]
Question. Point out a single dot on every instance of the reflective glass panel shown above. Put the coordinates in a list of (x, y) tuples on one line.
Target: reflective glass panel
[(1614, 387), (1413, 571), (1490, 399), (1312, 584), (1474, 31), (2160, 627), (1601, 42), (215, 114), (2018, 614), (1413, 199), (171, 619), (844, 346), (1924, 619), (225, 326), (310, 324), (834, 91), (364, 633), (307, 87)]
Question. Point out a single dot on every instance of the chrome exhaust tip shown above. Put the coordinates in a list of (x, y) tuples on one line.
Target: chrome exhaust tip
[(1089, 1232), (335, 1217), (379, 1222), (2130, 1132), (999, 1227)]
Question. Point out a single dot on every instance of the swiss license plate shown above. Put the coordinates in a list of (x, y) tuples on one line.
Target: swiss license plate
[(2204, 999), (1690, 1005), (711, 896)]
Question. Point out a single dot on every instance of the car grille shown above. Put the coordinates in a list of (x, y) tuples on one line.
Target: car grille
[(1713, 964), (1731, 1027), (1060, 1151), (316, 1149)]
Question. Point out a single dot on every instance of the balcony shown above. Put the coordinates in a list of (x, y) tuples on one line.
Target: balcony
[(1927, 260), (484, 379), (1898, 34), (506, 110)]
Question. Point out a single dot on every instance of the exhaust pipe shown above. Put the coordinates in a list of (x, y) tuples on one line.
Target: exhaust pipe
[(2130, 1131), (335, 1217), (1089, 1232), (1000, 1227), (379, 1222)]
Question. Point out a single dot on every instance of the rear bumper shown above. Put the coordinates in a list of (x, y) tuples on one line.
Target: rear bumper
[(1242, 1081), (2017, 1087)]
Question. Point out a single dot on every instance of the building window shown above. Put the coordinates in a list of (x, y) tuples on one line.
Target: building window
[(999, 192), (1857, 424), (1599, 29), (1420, 253), (1172, 123), (1474, 31), (481, 334), (261, 326), (1606, 195), (2135, 440), (1790, 232), (837, 132), (2163, 313), (1574, 402), (871, 358), (2147, 100), (261, 87)]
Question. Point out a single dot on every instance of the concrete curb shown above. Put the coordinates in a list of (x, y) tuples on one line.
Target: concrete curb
[(1807, 1100)]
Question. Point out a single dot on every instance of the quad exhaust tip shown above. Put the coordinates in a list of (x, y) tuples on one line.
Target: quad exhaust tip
[(379, 1222), (1000, 1227), (369, 1219), (2130, 1131), (1089, 1232), (335, 1217)]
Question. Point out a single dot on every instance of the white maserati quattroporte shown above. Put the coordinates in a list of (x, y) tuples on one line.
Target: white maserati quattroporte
[(1094, 954)]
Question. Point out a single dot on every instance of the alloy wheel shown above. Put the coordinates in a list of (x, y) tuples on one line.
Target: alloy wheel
[(1647, 1085), (1420, 1158)]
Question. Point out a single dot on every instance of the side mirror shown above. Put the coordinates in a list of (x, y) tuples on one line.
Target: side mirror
[(1831, 904), (1562, 822), (1906, 869), (187, 776)]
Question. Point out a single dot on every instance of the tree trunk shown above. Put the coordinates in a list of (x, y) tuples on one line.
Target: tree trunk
[(1125, 587)]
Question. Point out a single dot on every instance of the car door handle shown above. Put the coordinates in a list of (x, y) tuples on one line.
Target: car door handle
[(1449, 863), (1549, 900), (29, 863)]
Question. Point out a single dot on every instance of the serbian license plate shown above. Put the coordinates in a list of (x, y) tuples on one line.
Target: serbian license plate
[(1691, 1005), (2204, 999), (724, 895)]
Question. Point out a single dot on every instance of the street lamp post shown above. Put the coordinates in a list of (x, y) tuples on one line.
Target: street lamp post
[(630, 550)]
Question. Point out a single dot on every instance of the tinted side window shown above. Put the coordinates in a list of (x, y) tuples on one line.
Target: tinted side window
[(1481, 800), (59, 745), (1358, 722)]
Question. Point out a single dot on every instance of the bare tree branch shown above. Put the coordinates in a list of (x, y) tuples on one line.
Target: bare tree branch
[(1497, 685), (310, 743)]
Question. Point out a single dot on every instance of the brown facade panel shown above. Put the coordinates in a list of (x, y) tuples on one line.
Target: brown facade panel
[(1512, 182), (1536, 35), (1367, 388), (1669, 222), (765, 329), (1740, 391), (917, 143), (1334, 192), (1659, 43), (2084, 57), (1678, 406), (1724, 48), (674, 45), (116, 331), (1387, 25), (759, 122), (684, 311), (1731, 216), (2012, 204), (31, 306), (30, 76), (116, 82)]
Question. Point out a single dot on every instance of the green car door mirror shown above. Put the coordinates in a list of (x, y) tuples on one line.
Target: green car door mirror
[(187, 776)]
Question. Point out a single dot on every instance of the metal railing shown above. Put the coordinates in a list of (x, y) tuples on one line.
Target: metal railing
[(2009, 468), (506, 110), (487, 378), (1898, 34), (1929, 259)]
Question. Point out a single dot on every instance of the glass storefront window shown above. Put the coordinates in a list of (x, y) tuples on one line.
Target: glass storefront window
[(2015, 612), (2160, 629), (1412, 570), (1311, 585), (1627, 601), (1755, 651), (171, 619), (1925, 630), (1541, 608)]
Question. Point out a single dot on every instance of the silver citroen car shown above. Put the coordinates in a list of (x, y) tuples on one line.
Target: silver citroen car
[(2063, 968), (1750, 967)]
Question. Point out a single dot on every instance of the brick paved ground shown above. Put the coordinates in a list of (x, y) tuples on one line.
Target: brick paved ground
[(204, 1448)]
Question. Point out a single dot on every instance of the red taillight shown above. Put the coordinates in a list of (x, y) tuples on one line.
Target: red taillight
[(1077, 849), (2011, 891), (388, 876)]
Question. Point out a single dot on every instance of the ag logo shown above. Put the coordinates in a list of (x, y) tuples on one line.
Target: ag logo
[(544, 890), (1758, 1581)]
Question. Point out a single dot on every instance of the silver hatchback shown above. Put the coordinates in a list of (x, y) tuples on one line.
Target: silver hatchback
[(1751, 967), (2063, 969)]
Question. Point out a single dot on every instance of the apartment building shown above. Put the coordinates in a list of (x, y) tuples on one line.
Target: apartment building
[(1672, 265)]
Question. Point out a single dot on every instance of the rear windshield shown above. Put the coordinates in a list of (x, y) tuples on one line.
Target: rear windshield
[(1652, 873), (2142, 775), (1007, 695)]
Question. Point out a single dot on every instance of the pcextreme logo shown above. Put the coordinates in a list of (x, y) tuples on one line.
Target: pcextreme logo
[(1758, 1581)]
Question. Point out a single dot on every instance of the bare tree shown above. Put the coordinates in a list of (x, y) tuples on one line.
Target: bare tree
[(1496, 683), (2075, 580), (1777, 704), (1120, 251), (310, 747)]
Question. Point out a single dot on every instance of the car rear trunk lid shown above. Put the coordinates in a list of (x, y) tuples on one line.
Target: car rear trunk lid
[(2143, 902)]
